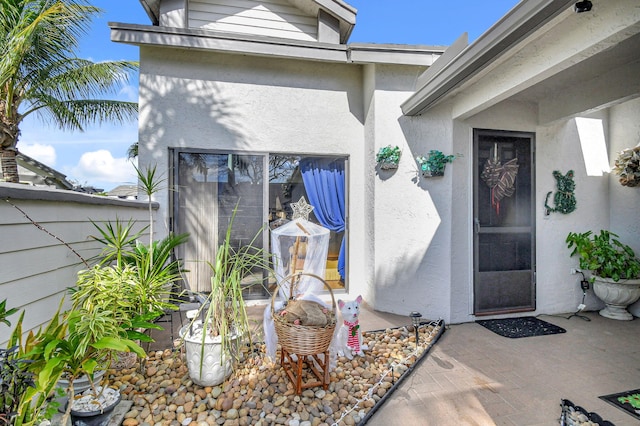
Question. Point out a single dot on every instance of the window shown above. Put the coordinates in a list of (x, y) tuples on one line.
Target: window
[(208, 185)]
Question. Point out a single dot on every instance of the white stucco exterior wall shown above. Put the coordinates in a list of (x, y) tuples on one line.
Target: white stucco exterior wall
[(411, 237), (249, 104), (624, 132), (624, 202)]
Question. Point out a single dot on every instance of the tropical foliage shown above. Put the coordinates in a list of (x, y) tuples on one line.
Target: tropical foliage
[(434, 163), (604, 255), (41, 74)]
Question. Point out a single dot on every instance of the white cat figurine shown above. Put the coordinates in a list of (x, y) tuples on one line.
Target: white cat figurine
[(349, 336)]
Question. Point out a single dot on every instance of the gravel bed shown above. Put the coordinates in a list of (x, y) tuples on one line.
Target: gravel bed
[(260, 393)]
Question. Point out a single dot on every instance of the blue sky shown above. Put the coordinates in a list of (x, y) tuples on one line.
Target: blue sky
[(97, 157)]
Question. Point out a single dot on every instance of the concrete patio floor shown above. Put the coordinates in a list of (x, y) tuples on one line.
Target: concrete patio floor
[(473, 376)]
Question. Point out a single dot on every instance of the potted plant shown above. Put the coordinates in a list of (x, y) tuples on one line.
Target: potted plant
[(434, 163), (614, 267), (388, 157), (627, 166), (214, 337)]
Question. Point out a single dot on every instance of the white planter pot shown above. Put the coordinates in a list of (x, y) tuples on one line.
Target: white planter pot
[(212, 372), (616, 296)]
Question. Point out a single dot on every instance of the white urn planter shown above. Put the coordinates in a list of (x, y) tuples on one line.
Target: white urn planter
[(213, 371), (616, 296)]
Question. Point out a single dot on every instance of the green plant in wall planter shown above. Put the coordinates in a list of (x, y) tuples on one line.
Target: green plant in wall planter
[(388, 157), (434, 163)]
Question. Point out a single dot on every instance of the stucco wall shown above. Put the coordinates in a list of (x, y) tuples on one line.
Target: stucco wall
[(410, 238), (232, 102), (411, 229), (624, 132), (559, 149), (624, 202)]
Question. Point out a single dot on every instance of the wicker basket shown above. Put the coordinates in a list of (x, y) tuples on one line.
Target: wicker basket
[(303, 339)]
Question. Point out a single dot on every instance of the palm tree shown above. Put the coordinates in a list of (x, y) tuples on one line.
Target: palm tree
[(40, 72)]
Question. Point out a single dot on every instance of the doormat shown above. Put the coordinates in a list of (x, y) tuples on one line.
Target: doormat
[(574, 415), (514, 328), (628, 401)]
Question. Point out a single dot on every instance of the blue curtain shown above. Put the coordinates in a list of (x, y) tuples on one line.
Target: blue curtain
[(324, 183)]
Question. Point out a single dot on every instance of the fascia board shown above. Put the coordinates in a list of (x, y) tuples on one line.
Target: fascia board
[(144, 35), (395, 54), (516, 25)]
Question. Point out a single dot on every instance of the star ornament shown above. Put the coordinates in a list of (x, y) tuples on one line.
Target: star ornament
[(301, 209)]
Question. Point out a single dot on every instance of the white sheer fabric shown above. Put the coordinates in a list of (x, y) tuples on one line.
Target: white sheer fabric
[(297, 246)]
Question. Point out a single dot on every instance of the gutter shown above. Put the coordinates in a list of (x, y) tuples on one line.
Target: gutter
[(519, 23)]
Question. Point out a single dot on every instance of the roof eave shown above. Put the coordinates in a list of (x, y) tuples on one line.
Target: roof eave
[(207, 40), (525, 18)]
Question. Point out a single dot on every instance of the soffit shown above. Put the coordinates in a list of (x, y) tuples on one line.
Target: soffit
[(489, 49), (557, 57)]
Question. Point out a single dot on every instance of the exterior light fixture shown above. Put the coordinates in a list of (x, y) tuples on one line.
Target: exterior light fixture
[(415, 320), (583, 6)]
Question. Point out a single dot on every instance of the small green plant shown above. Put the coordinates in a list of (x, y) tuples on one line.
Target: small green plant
[(4, 313), (434, 163), (15, 377), (604, 255), (388, 157)]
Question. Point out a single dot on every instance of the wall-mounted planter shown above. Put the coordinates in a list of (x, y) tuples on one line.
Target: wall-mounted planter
[(388, 157), (432, 173), (434, 163)]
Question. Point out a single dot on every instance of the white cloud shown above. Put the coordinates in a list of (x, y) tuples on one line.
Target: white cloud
[(101, 166), (43, 153), (130, 93)]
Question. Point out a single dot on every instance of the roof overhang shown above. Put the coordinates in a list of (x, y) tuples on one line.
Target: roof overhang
[(214, 41), (520, 22)]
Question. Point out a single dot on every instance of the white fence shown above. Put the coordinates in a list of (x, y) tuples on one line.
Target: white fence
[(36, 269)]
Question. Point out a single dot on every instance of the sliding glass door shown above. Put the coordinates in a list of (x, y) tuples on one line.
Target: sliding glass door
[(208, 185)]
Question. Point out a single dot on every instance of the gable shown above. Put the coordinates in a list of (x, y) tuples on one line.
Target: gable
[(275, 18)]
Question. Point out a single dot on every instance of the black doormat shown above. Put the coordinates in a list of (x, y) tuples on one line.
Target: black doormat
[(521, 327), (628, 401)]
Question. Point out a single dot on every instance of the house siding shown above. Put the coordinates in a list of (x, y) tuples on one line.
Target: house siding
[(37, 269), (274, 18)]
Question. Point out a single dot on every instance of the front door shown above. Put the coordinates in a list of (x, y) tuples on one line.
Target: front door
[(504, 233)]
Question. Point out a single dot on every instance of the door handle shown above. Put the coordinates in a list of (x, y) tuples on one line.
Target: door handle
[(476, 225)]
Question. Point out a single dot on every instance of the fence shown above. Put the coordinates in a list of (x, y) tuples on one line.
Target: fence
[(36, 268)]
